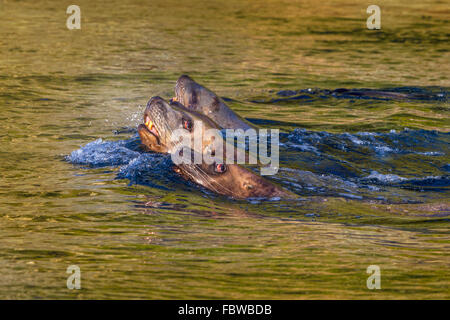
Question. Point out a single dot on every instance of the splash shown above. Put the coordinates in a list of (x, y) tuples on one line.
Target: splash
[(394, 166), (101, 153)]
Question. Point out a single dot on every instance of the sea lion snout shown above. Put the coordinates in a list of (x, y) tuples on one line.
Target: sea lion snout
[(185, 91), (184, 80), (181, 85), (157, 122)]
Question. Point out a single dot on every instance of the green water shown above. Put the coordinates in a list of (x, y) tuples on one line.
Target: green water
[(61, 88)]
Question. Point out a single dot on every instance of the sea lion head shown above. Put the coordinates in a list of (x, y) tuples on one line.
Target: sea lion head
[(202, 100), (162, 119), (232, 180)]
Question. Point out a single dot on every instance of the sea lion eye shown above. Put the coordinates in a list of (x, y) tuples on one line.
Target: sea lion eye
[(220, 167), (187, 124)]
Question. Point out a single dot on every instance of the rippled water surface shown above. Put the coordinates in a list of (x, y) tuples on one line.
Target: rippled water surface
[(371, 170)]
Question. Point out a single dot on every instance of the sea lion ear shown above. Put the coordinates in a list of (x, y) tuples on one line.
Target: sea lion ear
[(215, 105)]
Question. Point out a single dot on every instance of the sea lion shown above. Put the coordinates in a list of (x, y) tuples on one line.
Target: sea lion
[(198, 98), (161, 119)]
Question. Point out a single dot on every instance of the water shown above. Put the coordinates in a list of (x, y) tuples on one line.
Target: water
[(75, 188)]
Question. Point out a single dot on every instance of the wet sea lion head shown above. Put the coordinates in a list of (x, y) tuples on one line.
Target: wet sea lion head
[(162, 119), (232, 180), (202, 100)]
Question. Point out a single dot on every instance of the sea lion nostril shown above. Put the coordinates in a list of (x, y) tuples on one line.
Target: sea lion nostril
[(183, 78)]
